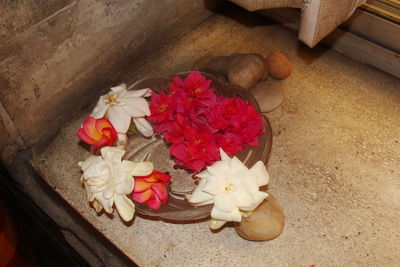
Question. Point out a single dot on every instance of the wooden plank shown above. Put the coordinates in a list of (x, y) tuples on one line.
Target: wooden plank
[(253, 5), (320, 17), (364, 51), (375, 29), (346, 43)]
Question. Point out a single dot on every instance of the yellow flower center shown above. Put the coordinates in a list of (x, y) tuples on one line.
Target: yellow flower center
[(110, 99), (229, 187)]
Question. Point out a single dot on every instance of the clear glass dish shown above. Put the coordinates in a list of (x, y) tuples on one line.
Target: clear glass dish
[(156, 150)]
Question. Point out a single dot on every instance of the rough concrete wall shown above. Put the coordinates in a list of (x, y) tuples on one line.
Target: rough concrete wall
[(52, 69)]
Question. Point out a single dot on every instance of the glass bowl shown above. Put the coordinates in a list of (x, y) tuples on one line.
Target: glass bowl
[(183, 182)]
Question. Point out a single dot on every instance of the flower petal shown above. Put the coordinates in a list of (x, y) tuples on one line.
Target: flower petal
[(84, 137), (137, 168), (136, 107), (119, 118), (154, 202), (89, 125), (143, 196), (101, 108), (261, 172), (161, 191), (139, 93), (125, 207), (141, 185), (143, 126), (234, 216), (225, 202), (119, 88)]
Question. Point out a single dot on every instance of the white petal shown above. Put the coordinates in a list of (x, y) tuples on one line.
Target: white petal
[(219, 168), (216, 224), (137, 168), (125, 207), (119, 88), (126, 187), (122, 139), (215, 185), (100, 110), (261, 172), (106, 203), (143, 126), (199, 196), (224, 156), (136, 106), (234, 216), (119, 118), (139, 93), (112, 154), (91, 160), (257, 199), (225, 202)]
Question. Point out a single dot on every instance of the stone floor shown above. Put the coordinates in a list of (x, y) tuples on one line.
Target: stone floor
[(335, 163)]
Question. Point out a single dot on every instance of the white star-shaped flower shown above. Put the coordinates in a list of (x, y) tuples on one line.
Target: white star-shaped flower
[(232, 187), (108, 179), (120, 105)]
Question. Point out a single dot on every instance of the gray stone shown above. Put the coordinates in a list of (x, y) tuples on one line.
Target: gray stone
[(245, 70), (269, 94), (266, 222)]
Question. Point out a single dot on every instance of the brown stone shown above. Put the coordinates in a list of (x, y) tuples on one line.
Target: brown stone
[(269, 94), (202, 62), (266, 222), (245, 70), (278, 65), (266, 72)]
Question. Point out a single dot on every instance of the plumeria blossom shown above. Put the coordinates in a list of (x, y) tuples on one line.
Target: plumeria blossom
[(108, 179), (232, 187), (120, 106), (97, 132), (151, 189)]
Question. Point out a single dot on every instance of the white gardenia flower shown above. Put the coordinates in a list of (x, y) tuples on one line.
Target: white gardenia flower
[(120, 105), (108, 179), (232, 187)]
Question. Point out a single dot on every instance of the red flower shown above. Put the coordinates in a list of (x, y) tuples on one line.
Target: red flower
[(151, 189), (160, 107), (197, 122), (97, 132)]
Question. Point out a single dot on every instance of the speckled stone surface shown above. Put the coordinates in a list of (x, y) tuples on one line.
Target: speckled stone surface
[(335, 164)]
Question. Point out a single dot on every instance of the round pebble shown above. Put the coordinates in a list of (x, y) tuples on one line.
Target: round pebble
[(266, 222), (269, 94), (278, 65), (245, 70)]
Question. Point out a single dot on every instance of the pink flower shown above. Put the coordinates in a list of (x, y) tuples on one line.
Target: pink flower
[(151, 189), (97, 132)]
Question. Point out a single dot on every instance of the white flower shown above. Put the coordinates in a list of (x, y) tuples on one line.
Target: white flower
[(120, 105), (108, 179), (232, 187)]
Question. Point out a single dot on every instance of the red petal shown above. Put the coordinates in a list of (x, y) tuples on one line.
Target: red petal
[(84, 137), (160, 190), (154, 202), (143, 196)]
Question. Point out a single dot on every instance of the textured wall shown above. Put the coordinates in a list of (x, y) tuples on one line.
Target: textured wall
[(51, 68)]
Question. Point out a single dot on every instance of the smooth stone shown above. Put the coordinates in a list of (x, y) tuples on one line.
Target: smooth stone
[(279, 65), (245, 70), (266, 223), (202, 62), (219, 64), (266, 72), (269, 94)]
